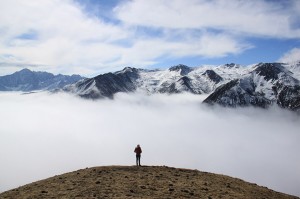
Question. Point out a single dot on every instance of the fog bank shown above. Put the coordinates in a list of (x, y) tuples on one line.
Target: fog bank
[(43, 135)]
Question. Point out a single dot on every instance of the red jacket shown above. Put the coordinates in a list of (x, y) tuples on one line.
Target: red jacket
[(138, 150)]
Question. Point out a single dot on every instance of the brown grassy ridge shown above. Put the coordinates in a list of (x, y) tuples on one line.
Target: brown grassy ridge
[(142, 182)]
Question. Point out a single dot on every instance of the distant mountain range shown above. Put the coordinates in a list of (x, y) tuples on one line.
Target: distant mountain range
[(27, 80), (230, 85)]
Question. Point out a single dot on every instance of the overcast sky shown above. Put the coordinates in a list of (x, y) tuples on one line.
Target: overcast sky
[(44, 135), (89, 37)]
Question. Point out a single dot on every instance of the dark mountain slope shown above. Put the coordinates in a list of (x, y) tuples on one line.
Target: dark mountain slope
[(106, 85)]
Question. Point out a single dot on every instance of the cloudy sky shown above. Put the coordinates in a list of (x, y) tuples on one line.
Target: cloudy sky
[(95, 36)]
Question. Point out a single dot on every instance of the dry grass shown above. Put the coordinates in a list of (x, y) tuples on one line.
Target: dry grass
[(141, 182)]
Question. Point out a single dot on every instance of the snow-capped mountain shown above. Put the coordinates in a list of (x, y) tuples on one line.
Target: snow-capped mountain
[(176, 79), (105, 85), (265, 84), (233, 85), (27, 80)]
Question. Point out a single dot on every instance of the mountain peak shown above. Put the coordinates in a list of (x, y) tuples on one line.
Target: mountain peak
[(183, 69), (178, 67), (24, 71), (128, 70), (232, 65)]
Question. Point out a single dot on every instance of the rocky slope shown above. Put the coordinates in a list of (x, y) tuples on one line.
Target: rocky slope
[(27, 80), (142, 182)]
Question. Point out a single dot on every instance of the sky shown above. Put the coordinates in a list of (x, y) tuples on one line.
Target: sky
[(50, 134), (91, 37)]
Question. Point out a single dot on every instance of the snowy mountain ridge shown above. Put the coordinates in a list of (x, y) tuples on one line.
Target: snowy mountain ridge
[(232, 85)]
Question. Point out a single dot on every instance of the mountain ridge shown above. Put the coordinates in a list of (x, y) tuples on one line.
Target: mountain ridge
[(230, 85), (27, 80)]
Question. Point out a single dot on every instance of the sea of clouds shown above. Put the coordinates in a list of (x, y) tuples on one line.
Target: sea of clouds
[(42, 135)]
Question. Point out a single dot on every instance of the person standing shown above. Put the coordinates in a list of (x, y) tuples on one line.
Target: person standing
[(138, 151)]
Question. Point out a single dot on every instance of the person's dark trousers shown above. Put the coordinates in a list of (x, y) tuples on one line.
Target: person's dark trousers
[(138, 160)]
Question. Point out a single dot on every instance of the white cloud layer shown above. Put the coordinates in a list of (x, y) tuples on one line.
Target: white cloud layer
[(291, 56), (44, 135), (61, 37), (257, 17)]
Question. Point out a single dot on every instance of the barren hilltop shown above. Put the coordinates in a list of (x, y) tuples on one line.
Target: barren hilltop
[(142, 182)]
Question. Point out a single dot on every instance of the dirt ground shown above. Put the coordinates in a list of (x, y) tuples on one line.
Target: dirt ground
[(142, 182)]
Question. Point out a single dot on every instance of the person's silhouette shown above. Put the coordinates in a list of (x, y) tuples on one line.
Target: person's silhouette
[(138, 151)]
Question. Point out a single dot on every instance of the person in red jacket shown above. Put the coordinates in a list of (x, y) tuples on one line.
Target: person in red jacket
[(138, 151)]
